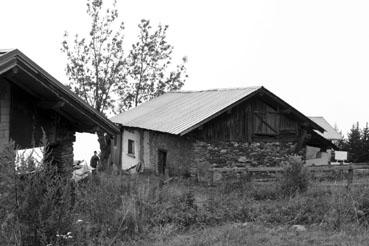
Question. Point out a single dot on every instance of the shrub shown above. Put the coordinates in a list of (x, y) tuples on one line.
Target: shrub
[(38, 200), (10, 227), (295, 177), (176, 205)]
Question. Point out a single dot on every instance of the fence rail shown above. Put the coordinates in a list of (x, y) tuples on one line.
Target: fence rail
[(273, 172)]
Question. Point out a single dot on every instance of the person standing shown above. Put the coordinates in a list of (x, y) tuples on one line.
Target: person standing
[(94, 162)]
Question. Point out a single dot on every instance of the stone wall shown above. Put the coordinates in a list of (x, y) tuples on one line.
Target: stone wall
[(60, 146), (179, 152), (190, 156), (233, 157), (63, 150), (234, 154)]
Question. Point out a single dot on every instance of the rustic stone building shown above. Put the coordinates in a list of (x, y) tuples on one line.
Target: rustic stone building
[(181, 131), (34, 104)]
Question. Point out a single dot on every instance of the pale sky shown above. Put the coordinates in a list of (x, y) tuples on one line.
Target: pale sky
[(313, 54)]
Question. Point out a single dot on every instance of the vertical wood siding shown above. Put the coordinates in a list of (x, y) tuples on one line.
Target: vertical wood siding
[(250, 120), (4, 111)]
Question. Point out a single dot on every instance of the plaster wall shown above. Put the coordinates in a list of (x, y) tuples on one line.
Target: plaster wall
[(129, 160)]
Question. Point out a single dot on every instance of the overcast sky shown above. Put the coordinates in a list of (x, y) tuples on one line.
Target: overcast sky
[(313, 54)]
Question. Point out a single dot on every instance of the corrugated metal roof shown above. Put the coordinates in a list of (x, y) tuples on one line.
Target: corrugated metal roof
[(176, 112), (330, 133), (3, 51)]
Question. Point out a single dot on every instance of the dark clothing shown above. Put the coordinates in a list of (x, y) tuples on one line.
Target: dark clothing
[(94, 161)]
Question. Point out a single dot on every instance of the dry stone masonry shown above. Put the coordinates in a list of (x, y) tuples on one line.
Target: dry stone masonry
[(234, 154), (238, 155)]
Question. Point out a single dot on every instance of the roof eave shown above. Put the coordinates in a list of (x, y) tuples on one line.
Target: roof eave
[(15, 58)]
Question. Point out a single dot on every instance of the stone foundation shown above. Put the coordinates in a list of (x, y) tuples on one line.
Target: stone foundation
[(233, 154), (236, 155)]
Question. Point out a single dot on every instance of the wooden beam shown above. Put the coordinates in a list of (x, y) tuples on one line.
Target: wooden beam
[(305, 124), (51, 104), (73, 121), (250, 121), (286, 111), (15, 70), (267, 112), (8, 65), (12, 79)]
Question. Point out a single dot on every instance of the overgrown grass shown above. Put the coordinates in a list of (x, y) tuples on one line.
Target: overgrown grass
[(118, 210), (182, 205), (252, 234)]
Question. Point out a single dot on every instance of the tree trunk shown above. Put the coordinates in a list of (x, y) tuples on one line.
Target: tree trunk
[(105, 148)]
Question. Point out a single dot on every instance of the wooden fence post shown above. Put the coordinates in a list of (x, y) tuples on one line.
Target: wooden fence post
[(350, 177)]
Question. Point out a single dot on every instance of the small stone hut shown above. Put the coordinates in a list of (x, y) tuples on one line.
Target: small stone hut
[(179, 132), (34, 104)]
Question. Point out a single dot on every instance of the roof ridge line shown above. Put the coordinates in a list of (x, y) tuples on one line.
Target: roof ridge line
[(216, 89), (3, 51)]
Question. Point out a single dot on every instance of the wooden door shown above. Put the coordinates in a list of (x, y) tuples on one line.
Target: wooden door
[(162, 161)]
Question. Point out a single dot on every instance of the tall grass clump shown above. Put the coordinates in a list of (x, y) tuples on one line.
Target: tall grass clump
[(36, 201), (112, 209), (295, 178), (177, 208), (10, 231)]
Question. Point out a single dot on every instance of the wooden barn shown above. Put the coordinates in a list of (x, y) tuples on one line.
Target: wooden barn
[(179, 131), (34, 104)]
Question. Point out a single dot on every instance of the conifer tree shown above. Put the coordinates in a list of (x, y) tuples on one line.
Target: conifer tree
[(354, 142), (365, 143)]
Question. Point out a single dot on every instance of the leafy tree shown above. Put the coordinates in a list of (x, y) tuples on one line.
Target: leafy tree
[(95, 63), (100, 73), (147, 66)]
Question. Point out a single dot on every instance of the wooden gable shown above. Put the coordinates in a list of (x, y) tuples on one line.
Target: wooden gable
[(253, 119)]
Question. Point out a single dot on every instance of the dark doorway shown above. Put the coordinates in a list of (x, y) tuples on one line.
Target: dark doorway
[(162, 161)]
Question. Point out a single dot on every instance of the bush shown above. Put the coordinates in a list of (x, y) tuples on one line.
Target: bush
[(37, 200), (295, 177), (10, 227)]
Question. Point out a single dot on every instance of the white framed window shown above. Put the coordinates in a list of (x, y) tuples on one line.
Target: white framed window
[(131, 147)]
